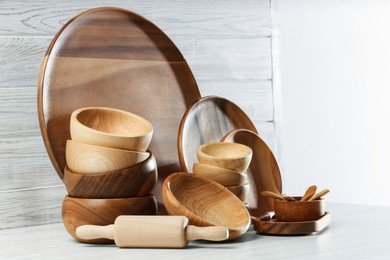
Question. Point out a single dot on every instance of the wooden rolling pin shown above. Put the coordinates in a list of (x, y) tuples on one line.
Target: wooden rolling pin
[(152, 231)]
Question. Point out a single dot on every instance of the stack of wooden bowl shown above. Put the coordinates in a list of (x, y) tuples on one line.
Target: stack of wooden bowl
[(225, 163), (109, 170)]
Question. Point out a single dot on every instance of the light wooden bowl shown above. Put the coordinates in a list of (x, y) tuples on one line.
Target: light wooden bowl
[(137, 180), (77, 212), (110, 128), (241, 191), (220, 175), (93, 159), (231, 156), (297, 211), (204, 203)]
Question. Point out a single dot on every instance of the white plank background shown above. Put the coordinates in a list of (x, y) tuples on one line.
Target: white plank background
[(227, 44)]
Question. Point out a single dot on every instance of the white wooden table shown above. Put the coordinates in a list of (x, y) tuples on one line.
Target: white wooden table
[(356, 232)]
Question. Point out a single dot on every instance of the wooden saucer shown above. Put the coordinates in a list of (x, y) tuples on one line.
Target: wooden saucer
[(111, 57), (208, 121), (270, 225)]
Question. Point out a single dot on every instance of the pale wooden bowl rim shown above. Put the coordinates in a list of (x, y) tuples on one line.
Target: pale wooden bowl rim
[(77, 112), (248, 151)]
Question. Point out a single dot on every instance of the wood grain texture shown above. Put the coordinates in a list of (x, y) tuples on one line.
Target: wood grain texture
[(77, 212), (42, 18), (205, 203), (31, 207), (138, 180), (226, 43), (208, 121)]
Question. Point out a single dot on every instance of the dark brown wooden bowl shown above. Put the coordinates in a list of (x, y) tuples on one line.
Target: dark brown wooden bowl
[(135, 181), (296, 211), (77, 212)]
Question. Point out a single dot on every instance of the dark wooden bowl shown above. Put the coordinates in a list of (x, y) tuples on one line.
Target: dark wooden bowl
[(77, 212), (296, 211), (135, 181)]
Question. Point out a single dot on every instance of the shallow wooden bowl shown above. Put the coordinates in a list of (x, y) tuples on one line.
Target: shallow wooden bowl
[(137, 180), (111, 127), (220, 175), (77, 212), (204, 203), (93, 159), (231, 156), (296, 211), (241, 191)]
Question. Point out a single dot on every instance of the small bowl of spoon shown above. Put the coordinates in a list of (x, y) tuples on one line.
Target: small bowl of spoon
[(308, 207)]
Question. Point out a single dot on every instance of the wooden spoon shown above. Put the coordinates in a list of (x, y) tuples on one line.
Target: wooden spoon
[(274, 195), (319, 195), (288, 198), (309, 193)]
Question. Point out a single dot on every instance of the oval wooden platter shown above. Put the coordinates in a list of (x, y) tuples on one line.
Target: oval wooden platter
[(208, 120), (263, 172), (114, 58)]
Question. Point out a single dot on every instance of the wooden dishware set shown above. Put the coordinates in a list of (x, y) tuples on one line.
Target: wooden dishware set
[(117, 104)]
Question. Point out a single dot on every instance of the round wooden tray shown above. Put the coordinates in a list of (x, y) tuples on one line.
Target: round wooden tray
[(207, 121), (112, 57), (263, 172)]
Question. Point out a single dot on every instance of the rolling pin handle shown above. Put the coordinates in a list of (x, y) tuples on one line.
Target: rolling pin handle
[(213, 233), (95, 232)]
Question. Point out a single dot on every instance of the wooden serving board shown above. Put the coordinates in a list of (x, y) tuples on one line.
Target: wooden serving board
[(112, 57), (263, 172), (268, 224), (207, 121)]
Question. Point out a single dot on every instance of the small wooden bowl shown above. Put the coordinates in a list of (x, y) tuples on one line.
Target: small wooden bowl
[(137, 180), (110, 128), (93, 159), (241, 191), (223, 176), (233, 156), (77, 212), (297, 211), (204, 203)]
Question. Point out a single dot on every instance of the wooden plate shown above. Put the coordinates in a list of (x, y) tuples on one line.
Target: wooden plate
[(263, 172), (270, 225), (207, 121), (112, 57)]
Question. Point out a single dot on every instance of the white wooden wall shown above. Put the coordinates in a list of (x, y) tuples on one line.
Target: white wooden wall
[(227, 44)]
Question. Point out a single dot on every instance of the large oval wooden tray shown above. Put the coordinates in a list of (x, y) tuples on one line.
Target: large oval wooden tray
[(263, 172), (112, 57), (207, 121)]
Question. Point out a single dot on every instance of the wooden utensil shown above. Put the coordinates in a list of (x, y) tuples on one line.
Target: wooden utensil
[(273, 195), (288, 198), (152, 231), (93, 159), (77, 212), (111, 57), (135, 181), (208, 121), (263, 172), (110, 127), (309, 193), (232, 156), (205, 203), (319, 195), (223, 176)]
